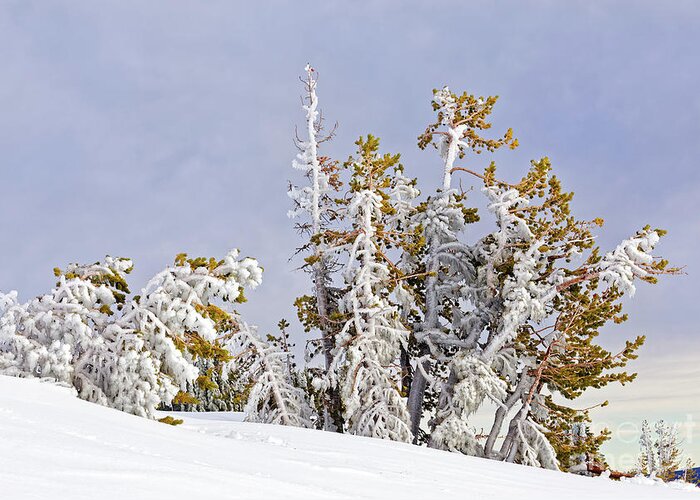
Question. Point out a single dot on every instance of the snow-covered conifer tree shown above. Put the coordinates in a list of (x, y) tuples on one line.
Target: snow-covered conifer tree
[(402, 220), (660, 451), (132, 355), (646, 443), (483, 302), (313, 204), (177, 318), (366, 367), (460, 119), (61, 336), (520, 284)]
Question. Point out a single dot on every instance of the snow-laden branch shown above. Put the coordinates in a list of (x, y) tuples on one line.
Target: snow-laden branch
[(629, 260)]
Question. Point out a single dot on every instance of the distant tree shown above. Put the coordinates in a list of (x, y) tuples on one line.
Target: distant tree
[(660, 455), (690, 474), (648, 457)]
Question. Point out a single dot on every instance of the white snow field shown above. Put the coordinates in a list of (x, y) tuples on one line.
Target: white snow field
[(55, 446)]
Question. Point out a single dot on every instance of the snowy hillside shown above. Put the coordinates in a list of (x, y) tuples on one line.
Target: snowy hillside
[(55, 446)]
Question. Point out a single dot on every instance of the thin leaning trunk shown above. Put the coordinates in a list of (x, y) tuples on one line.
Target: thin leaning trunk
[(416, 395), (419, 384), (501, 413)]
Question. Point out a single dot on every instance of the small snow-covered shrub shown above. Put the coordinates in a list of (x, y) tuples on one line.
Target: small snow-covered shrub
[(274, 398)]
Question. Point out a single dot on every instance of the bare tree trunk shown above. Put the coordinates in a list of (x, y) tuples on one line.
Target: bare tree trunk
[(406, 372), (489, 452), (415, 398), (509, 448), (431, 321), (321, 293)]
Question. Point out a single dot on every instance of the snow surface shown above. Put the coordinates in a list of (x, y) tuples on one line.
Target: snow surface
[(55, 446)]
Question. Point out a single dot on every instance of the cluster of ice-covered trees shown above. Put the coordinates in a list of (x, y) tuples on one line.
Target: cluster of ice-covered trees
[(422, 323), (660, 455), (418, 322), (177, 341)]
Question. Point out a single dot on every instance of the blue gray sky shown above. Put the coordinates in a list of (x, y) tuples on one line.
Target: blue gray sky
[(145, 129)]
